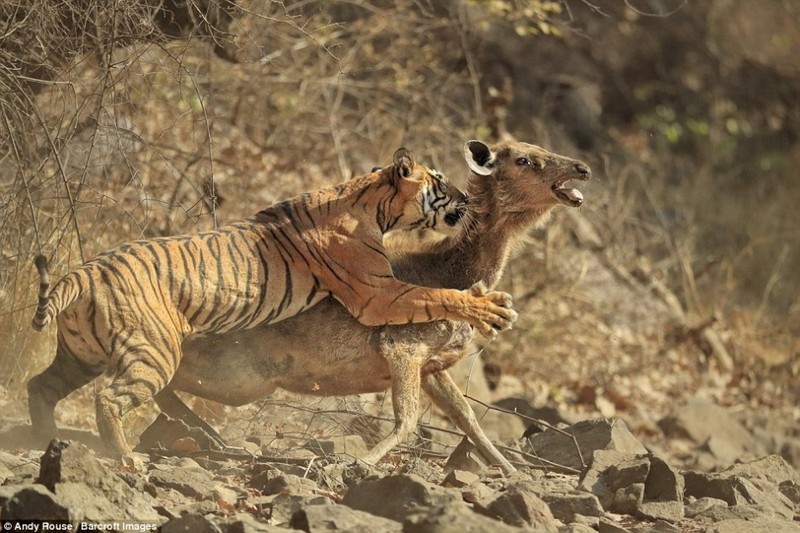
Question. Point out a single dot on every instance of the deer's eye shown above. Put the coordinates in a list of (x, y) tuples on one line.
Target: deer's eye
[(523, 161)]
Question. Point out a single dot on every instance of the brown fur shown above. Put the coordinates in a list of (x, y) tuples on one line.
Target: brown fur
[(324, 351), (129, 309)]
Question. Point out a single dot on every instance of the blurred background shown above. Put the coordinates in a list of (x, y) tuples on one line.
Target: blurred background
[(680, 276)]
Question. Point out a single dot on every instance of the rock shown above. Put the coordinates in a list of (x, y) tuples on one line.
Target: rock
[(284, 506), (31, 502), (746, 526), (337, 476), (591, 435), (709, 425), (661, 510), (190, 523), (521, 508), (459, 479), (395, 497), (11, 465), (690, 510), (134, 461), (465, 457), (737, 490), (262, 474), (451, 518), (627, 483), (664, 483), (610, 474), (202, 507), (576, 528), (566, 506), (5, 472), (735, 512), (88, 489), (790, 450), (421, 468), (663, 492), (191, 481), (590, 521), (357, 471), (225, 497), (245, 523), (288, 484), (628, 499), (340, 518), (791, 491), (660, 526), (351, 445), (774, 469), (477, 493), (607, 526)]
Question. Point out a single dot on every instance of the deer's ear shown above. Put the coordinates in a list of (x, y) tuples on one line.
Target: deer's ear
[(403, 162), (479, 157)]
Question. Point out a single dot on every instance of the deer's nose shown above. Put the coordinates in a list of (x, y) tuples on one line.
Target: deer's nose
[(583, 169)]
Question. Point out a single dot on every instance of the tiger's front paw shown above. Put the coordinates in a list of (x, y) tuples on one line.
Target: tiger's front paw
[(497, 314)]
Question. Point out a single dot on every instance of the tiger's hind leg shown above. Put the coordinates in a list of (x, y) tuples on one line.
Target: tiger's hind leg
[(139, 375), (65, 374)]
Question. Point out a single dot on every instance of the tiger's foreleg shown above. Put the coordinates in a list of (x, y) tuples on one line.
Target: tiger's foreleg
[(446, 395), (65, 374), (395, 302)]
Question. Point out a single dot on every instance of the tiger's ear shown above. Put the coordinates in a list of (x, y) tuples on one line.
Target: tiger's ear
[(403, 162), (479, 157)]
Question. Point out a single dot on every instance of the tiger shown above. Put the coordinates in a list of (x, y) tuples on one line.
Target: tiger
[(127, 310)]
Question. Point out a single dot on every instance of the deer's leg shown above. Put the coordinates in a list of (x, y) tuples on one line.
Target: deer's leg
[(445, 393)]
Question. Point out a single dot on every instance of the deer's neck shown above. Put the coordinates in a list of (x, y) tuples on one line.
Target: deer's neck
[(480, 255), (497, 228)]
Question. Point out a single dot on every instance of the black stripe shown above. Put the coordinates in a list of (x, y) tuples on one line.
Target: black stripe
[(313, 292), (138, 354), (201, 281), (169, 266), (217, 314), (404, 292), (324, 261), (235, 250), (296, 249), (179, 303), (286, 300), (262, 294)]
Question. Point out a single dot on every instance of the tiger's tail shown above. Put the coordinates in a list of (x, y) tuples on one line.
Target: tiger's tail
[(43, 315), (48, 307)]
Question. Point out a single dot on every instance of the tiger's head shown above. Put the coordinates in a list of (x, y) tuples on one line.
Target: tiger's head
[(430, 201)]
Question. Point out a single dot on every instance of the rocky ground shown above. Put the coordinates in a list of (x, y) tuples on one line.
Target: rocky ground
[(592, 475)]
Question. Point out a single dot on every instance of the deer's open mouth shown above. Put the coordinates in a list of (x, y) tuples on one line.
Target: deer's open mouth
[(567, 195)]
